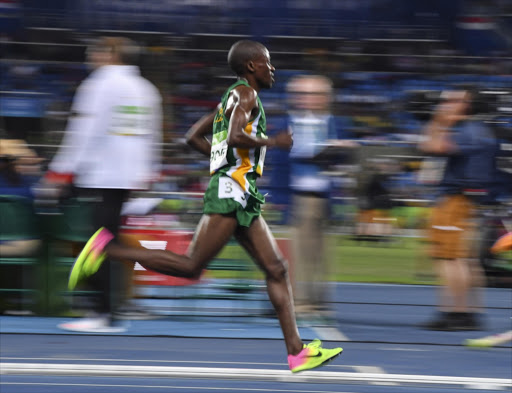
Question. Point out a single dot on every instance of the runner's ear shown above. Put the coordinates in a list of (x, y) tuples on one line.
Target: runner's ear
[(250, 66)]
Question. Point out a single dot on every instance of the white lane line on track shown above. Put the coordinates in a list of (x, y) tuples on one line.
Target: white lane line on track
[(246, 374), (329, 333), (369, 369), (79, 359), (194, 388), (373, 370), (234, 330), (117, 360), (403, 349)]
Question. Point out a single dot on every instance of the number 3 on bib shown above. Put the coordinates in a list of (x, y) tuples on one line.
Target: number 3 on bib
[(228, 188)]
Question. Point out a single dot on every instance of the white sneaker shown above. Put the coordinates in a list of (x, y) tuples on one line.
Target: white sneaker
[(91, 325)]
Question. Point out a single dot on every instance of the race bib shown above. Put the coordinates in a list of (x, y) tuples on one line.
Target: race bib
[(228, 188), (219, 151)]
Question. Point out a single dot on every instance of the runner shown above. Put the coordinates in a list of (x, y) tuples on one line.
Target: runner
[(232, 202)]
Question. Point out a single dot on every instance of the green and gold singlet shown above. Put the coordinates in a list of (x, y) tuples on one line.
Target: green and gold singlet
[(234, 171)]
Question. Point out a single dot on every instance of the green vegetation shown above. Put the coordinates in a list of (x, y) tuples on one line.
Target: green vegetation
[(401, 260)]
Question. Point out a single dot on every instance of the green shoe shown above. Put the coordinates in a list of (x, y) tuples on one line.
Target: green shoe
[(90, 258), (479, 343), (489, 341), (312, 356)]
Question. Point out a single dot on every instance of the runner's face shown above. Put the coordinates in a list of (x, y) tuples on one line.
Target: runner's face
[(264, 70)]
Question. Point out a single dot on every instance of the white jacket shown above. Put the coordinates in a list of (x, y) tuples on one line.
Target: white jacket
[(113, 138)]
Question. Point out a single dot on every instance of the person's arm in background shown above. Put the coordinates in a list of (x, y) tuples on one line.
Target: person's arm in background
[(437, 134), (338, 136), (437, 139)]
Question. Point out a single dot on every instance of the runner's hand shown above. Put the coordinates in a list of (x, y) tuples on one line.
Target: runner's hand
[(283, 140)]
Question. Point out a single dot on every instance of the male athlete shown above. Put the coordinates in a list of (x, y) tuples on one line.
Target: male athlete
[(232, 203)]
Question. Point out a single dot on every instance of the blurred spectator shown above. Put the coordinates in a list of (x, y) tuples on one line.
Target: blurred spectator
[(20, 167), (19, 170), (19, 235), (374, 202), (469, 148), (313, 128), (111, 146)]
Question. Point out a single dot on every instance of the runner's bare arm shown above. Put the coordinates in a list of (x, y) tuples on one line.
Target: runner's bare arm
[(244, 101), (196, 135)]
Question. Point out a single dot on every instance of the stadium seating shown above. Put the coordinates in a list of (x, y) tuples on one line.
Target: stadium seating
[(22, 277), (67, 231)]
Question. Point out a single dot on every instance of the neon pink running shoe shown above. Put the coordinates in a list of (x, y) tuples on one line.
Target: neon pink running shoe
[(90, 258), (312, 356)]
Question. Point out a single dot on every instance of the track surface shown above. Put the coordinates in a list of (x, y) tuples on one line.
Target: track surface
[(384, 351)]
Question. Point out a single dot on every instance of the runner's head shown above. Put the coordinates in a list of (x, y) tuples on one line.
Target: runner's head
[(251, 60)]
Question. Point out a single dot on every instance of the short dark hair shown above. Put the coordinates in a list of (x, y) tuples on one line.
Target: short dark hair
[(478, 105), (241, 52)]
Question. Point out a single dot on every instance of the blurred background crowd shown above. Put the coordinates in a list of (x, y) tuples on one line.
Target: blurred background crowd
[(388, 61)]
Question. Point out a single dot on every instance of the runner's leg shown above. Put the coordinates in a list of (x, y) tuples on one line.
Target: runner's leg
[(212, 233), (259, 242)]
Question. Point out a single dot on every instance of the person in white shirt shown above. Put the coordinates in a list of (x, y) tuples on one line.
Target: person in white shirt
[(112, 145)]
